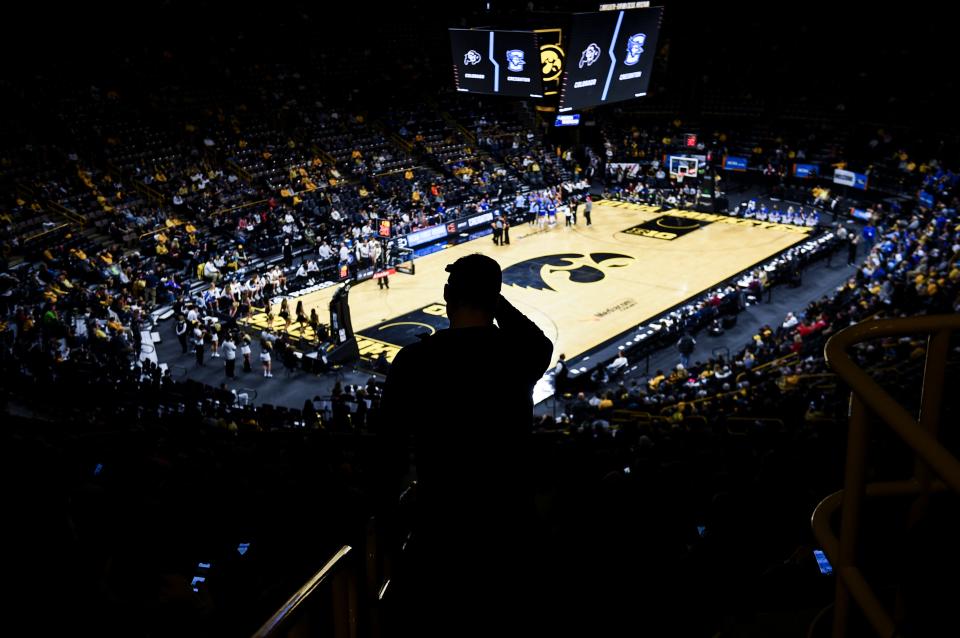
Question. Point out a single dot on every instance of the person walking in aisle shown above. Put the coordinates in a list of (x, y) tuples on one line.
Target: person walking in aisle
[(229, 349)]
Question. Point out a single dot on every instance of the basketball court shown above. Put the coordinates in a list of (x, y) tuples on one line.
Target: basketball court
[(582, 285)]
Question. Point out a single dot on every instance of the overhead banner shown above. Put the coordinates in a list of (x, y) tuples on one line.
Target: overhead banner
[(731, 163), (849, 178), (630, 169)]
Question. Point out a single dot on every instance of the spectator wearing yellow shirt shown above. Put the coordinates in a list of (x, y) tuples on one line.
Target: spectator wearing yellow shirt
[(656, 380), (606, 403)]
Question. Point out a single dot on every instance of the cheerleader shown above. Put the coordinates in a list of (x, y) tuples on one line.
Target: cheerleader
[(245, 352), (265, 358), (285, 313)]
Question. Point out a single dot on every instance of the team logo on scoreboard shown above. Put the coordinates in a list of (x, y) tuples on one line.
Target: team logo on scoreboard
[(634, 48), (551, 61), (533, 273), (515, 61), (590, 55), (472, 57)]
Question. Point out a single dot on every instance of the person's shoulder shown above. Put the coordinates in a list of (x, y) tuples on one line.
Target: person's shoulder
[(413, 352), (438, 344)]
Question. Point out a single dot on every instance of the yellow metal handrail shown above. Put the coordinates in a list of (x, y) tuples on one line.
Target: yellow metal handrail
[(624, 415), (223, 211), (284, 615), (66, 213), (768, 364), (671, 408), (164, 228), (149, 191), (327, 157), (46, 232), (397, 170), (749, 420), (870, 402), (452, 121), (26, 189), (402, 143), (244, 173)]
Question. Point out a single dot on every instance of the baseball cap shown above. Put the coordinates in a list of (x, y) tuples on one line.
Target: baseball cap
[(475, 278)]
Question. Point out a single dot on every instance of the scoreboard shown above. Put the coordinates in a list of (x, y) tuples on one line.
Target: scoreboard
[(496, 62), (609, 57)]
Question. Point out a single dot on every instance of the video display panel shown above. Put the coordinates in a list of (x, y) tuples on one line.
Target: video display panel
[(609, 57), (496, 62)]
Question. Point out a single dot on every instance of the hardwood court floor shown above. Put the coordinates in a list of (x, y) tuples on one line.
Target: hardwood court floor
[(582, 285)]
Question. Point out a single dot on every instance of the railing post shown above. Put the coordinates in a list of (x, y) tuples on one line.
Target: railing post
[(372, 565), (344, 598), (870, 401), (372, 556), (295, 618), (938, 344), (854, 488)]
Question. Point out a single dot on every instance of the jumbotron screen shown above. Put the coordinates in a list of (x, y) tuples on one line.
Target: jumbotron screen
[(609, 57), (497, 62)]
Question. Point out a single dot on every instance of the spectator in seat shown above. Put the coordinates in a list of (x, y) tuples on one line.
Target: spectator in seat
[(618, 365), (210, 272), (381, 364), (580, 409)]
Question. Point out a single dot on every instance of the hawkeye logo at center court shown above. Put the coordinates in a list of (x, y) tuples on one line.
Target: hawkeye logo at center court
[(667, 227), (535, 273)]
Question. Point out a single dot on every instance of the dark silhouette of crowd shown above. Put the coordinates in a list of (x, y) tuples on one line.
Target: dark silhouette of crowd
[(138, 476)]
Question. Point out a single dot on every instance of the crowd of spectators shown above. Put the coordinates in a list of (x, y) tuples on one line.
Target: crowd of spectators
[(911, 266), (680, 458), (128, 216), (98, 241)]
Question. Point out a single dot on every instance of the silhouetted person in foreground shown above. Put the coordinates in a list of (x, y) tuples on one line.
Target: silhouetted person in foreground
[(464, 395)]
